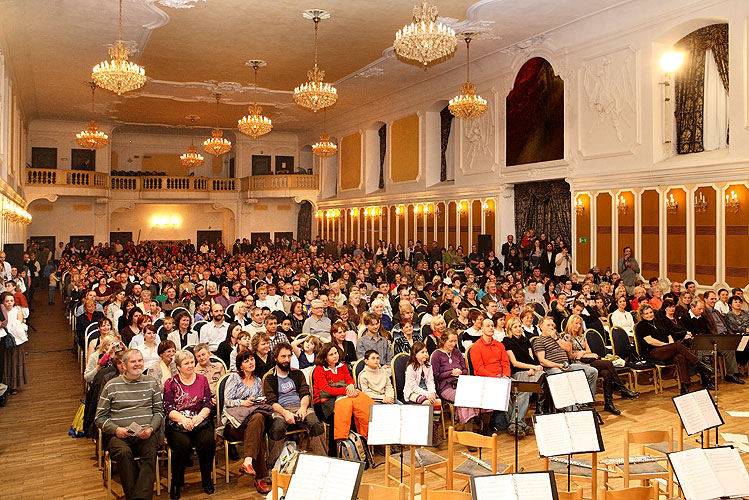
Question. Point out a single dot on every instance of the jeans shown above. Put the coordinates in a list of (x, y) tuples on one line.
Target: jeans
[(523, 398), (590, 373)]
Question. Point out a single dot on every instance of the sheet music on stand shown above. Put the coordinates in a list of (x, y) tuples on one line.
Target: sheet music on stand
[(569, 388), (697, 411), (710, 473), (321, 478), (567, 433), (521, 486), (743, 343), (409, 425), (487, 393)]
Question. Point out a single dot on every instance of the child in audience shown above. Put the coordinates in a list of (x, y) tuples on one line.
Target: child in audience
[(243, 342), (374, 380), (419, 387), (305, 355), (169, 327)]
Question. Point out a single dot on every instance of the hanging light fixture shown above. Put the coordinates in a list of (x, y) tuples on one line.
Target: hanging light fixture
[(92, 138), (324, 148), (192, 158), (255, 124), (468, 105), (425, 40), (119, 75), (217, 145), (315, 94)]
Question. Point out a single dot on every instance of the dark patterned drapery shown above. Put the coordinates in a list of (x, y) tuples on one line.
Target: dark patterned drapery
[(304, 222), (383, 145), (446, 119), (689, 89), (543, 207)]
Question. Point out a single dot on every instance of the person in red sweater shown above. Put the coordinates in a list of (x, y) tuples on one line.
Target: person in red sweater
[(489, 359), (335, 395), (488, 355)]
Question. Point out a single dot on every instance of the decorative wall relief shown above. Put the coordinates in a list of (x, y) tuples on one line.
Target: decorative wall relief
[(608, 104), (535, 115), (478, 142)]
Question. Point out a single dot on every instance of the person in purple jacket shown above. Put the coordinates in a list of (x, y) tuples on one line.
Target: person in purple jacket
[(447, 365), (188, 405)]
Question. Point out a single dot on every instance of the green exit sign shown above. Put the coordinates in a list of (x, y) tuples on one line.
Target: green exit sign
[(583, 239)]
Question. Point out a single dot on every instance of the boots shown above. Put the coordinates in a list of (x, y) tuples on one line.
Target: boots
[(707, 382), (705, 368), (684, 388), (437, 440), (625, 392), (608, 397)]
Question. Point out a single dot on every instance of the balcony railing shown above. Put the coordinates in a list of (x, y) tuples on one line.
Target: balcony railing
[(39, 177), (75, 178), (279, 182)]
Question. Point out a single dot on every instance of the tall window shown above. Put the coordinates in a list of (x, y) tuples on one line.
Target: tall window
[(701, 90)]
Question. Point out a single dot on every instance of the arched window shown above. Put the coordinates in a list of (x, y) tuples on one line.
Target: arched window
[(535, 115)]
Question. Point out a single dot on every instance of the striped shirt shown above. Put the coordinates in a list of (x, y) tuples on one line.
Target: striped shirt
[(124, 401)]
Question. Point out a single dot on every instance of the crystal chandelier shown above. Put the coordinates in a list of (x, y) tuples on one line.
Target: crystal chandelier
[(315, 94), (119, 75), (92, 138), (255, 124), (324, 148), (192, 158), (425, 40), (468, 105), (217, 145)]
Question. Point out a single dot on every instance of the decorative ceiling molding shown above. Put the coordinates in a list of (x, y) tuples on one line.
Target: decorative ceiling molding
[(179, 4), (483, 29), (130, 44), (370, 72), (526, 46)]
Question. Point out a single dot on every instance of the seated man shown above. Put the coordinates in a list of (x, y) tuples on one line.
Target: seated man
[(704, 319), (317, 324), (553, 357), (489, 359), (130, 411), (287, 392)]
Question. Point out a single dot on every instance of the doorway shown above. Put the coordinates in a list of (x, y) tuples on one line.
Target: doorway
[(83, 159), (259, 236), (42, 241), (121, 237), (85, 242), (212, 237)]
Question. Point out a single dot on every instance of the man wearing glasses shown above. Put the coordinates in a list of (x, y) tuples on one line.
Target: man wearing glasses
[(317, 324)]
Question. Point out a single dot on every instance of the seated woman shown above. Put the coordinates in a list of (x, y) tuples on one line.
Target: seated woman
[(149, 347), (525, 368), (101, 357), (187, 405), (229, 344), (621, 318), (346, 348), (419, 387), (260, 347), (138, 339), (438, 327), (580, 353), (448, 364), (737, 320), (131, 330), (104, 329), (666, 320), (559, 312), (165, 369), (245, 389), (183, 335), (213, 370), (336, 398), (656, 344)]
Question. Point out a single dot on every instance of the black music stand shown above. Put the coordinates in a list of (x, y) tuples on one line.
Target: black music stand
[(715, 343), (517, 387)]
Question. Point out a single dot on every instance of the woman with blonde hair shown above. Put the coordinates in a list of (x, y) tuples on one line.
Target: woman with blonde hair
[(102, 356), (579, 352), (356, 306)]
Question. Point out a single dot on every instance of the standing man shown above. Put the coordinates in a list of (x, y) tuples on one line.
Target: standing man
[(509, 244), (214, 332), (130, 410), (629, 269)]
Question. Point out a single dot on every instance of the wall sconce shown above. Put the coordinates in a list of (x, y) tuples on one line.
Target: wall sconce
[(700, 203), (579, 207), (670, 62), (164, 222), (354, 212), (485, 208), (318, 214), (621, 205), (672, 206), (732, 202), (460, 208), (399, 210)]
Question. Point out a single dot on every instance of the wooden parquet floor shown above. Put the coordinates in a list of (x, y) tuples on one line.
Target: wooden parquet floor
[(38, 460)]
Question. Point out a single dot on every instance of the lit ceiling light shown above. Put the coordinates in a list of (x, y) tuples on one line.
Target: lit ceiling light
[(92, 138), (315, 94), (255, 124), (192, 158), (217, 145), (468, 105), (324, 148), (425, 40), (119, 75)]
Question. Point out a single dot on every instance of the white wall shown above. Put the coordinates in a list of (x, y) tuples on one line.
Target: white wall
[(269, 215), (68, 216)]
